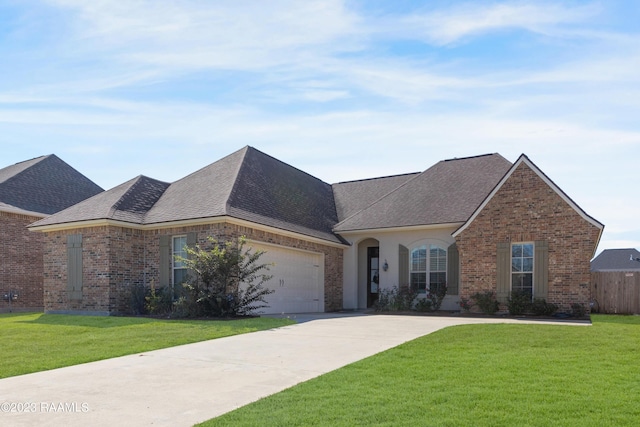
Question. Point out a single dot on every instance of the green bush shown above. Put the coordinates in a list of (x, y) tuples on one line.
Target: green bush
[(396, 298), (518, 303), (540, 307), (158, 301), (224, 281), (486, 302), (424, 305), (578, 310)]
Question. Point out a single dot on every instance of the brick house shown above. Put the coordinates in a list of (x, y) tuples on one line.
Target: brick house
[(30, 191), (474, 224)]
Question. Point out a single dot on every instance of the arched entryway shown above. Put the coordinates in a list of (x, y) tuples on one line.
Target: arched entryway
[(368, 272)]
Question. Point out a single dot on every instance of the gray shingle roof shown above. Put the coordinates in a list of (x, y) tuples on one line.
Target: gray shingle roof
[(616, 260), (247, 184), (45, 185), (127, 202), (448, 192), (253, 186), (353, 196)]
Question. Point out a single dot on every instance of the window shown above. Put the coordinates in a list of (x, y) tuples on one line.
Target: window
[(178, 252), (522, 268), (435, 275)]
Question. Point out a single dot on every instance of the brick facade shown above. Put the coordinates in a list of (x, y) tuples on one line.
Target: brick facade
[(527, 209), (115, 259), (20, 264)]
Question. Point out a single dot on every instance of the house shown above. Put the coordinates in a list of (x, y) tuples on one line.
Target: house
[(615, 281), (30, 191), (475, 224)]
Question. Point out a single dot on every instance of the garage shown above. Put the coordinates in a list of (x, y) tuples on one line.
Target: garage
[(298, 279)]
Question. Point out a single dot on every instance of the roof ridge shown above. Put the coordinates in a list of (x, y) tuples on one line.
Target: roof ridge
[(379, 177), (471, 157)]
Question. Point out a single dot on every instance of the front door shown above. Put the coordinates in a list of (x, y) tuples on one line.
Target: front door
[(373, 275)]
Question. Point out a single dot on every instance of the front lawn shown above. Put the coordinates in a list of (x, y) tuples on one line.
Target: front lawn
[(37, 342), (475, 375)]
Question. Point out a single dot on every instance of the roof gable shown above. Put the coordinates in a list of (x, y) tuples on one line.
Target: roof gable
[(45, 185), (446, 193), (523, 159), (617, 260)]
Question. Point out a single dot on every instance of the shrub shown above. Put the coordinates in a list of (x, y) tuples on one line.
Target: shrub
[(518, 303), (486, 302), (424, 305), (578, 310), (158, 301), (224, 281), (437, 297), (465, 304), (540, 307), (396, 298)]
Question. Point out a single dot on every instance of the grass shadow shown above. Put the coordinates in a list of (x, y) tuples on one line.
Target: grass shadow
[(88, 321)]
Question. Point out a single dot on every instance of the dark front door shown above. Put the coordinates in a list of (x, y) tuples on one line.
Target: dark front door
[(373, 275)]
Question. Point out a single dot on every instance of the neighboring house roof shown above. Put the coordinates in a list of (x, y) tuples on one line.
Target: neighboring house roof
[(247, 185), (43, 185), (353, 196), (448, 192), (616, 260), (524, 159)]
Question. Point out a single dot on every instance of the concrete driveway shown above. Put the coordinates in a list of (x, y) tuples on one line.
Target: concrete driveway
[(184, 385)]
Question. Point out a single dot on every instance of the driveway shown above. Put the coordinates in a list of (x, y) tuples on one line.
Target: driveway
[(184, 385)]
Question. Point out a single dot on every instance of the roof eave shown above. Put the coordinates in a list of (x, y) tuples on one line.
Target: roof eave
[(18, 211), (399, 228), (183, 223)]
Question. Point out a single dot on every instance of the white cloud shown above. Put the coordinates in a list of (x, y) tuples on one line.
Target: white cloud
[(222, 34), (444, 27)]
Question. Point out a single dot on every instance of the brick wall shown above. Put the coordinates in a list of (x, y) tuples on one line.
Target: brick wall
[(116, 258), (20, 263), (526, 209)]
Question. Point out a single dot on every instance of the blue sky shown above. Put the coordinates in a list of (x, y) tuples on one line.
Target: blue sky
[(340, 89)]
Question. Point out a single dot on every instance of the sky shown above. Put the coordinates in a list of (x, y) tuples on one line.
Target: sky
[(342, 90)]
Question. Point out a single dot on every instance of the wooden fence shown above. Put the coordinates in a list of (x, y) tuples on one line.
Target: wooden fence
[(616, 292)]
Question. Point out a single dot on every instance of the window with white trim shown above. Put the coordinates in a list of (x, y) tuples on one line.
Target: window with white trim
[(522, 268), (178, 251), (428, 269)]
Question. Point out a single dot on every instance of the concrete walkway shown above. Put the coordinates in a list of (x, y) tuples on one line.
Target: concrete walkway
[(184, 385)]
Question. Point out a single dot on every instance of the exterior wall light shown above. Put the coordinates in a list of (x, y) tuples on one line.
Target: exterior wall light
[(385, 266)]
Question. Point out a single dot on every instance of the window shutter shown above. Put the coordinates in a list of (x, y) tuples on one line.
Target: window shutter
[(503, 268), (403, 266), (165, 261), (74, 266), (541, 270), (453, 270)]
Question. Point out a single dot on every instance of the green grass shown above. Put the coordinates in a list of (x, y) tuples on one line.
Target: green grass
[(38, 342), (474, 375)]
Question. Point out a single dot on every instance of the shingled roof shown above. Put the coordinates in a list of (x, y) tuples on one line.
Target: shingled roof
[(617, 260), (353, 196), (43, 185), (247, 185), (448, 192), (250, 185)]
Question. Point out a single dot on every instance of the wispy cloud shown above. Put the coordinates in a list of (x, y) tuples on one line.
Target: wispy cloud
[(459, 22)]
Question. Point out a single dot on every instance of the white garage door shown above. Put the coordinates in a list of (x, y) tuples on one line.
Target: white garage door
[(298, 279)]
